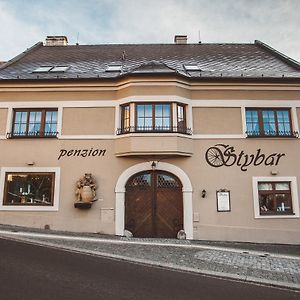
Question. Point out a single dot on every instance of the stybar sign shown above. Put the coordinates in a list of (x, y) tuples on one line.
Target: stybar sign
[(225, 155)]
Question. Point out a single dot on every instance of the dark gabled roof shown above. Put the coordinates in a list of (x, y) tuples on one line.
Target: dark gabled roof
[(244, 61)]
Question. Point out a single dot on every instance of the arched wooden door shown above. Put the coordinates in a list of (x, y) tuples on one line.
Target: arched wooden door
[(154, 205)]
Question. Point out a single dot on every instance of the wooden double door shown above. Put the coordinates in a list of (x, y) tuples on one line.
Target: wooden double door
[(154, 205)]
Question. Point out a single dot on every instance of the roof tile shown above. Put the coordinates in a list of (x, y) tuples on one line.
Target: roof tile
[(91, 61)]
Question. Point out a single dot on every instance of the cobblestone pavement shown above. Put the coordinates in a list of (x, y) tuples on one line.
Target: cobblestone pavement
[(247, 262)]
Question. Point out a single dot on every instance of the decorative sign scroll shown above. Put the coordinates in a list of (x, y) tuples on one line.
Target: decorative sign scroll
[(225, 155), (223, 200)]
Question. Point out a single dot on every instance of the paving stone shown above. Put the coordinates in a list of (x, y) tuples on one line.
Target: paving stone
[(229, 261)]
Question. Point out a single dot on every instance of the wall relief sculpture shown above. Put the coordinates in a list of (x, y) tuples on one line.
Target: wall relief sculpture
[(85, 191)]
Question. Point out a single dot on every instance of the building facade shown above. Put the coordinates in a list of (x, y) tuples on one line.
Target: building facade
[(202, 138)]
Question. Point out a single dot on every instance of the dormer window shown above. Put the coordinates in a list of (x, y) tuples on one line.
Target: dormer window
[(192, 67), (114, 68)]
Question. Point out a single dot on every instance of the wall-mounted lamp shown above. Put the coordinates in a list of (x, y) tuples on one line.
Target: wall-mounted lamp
[(203, 193), (153, 165), (30, 163), (274, 172)]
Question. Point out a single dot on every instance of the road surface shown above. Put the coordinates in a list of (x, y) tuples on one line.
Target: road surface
[(34, 272)]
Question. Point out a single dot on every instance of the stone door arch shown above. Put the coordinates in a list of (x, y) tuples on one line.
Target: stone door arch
[(187, 191)]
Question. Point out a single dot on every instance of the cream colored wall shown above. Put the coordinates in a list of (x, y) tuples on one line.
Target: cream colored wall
[(153, 90), (48, 95), (239, 224), (98, 219), (166, 86), (165, 145), (88, 121), (3, 119), (217, 120), (246, 94)]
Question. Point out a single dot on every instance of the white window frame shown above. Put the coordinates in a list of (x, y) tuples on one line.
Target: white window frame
[(53, 207), (294, 195)]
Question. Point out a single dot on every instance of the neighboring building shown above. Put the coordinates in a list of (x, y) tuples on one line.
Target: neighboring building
[(199, 137)]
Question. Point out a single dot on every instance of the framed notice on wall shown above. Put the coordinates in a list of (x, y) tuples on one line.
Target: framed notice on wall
[(223, 201)]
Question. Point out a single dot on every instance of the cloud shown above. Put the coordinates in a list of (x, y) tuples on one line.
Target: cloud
[(275, 22), (13, 38)]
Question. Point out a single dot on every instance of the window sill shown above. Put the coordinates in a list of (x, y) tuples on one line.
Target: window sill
[(27, 205), (28, 208), (281, 216), (271, 136), (276, 214)]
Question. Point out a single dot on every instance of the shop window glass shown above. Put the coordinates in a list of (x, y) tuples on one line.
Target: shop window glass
[(29, 189), (275, 198)]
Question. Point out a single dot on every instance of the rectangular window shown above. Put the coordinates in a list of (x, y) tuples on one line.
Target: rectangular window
[(181, 125), (162, 114), (29, 189), (267, 122), (275, 198), (153, 117), (34, 123), (125, 118)]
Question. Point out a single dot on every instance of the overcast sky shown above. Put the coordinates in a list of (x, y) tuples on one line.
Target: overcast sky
[(26, 22)]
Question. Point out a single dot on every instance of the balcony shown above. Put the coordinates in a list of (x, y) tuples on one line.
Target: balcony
[(161, 141)]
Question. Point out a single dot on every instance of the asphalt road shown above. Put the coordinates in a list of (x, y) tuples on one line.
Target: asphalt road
[(35, 272)]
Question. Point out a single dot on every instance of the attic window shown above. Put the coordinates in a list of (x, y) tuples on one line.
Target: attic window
[(43, 69), (192, 67), (113, 68), (59, 69), (54, 69)]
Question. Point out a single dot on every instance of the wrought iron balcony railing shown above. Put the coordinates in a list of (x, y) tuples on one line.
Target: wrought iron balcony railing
[(156, 129), (270, 133), (35, 134)]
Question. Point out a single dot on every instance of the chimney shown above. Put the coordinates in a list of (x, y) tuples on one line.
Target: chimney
[(180, 39), (56, 40)]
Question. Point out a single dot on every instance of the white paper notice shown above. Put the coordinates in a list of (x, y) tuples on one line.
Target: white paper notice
[(223, 201)]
